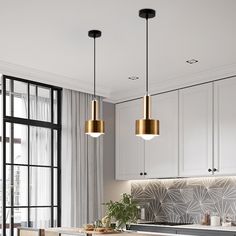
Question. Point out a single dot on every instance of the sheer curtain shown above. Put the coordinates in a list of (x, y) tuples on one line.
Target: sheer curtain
[(82, 163), (40, 154)]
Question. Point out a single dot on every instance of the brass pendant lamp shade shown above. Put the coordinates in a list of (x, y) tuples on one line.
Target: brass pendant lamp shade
[(147, 128), (94, 127)]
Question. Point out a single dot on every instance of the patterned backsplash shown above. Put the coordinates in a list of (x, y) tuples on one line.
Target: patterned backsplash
[(186, 200)]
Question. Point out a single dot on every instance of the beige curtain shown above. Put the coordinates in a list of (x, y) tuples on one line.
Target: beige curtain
[(82, 162)]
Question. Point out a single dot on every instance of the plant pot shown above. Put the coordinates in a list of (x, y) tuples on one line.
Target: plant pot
[(120, 225)]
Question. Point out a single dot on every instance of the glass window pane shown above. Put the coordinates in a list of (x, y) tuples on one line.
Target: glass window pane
[(40, 103), (55, 187), (20, 99), (20, 218), (20, 190), (55, 216), (20, 144), (40, 217), (20, 185), (40, 146), (16, 94), (55, 106), (40, 186), (44, 104), (8, 92), (55, 146), (7, 144), (8, 218), (8, 185), (33, 103)]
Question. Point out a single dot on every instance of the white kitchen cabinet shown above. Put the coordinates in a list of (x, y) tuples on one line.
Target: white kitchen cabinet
[(196, 130), (129, 148), (225, 126), (161, 153)]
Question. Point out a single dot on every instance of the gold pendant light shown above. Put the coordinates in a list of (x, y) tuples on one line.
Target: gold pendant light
[(147, 128), (94, 127)]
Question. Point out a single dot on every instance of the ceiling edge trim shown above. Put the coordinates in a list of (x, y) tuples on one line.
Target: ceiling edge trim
[(176, 83), (49, 78)]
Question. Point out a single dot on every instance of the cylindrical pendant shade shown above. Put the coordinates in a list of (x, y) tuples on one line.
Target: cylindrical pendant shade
[(147, 127), (94, 127)]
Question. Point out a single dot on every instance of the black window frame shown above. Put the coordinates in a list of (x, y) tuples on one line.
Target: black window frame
[(31, 123)]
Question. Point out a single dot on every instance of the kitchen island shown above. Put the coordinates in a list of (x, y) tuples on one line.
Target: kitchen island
[(140, 231), (77, 231)]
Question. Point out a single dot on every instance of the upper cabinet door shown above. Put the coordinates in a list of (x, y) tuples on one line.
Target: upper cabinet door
[(195, 130), (161, 153), (225, 126), (129, 148)]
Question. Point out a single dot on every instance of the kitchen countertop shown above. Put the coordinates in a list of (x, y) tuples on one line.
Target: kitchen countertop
[(145, 234), (193, 226), (77, 231), (207, 227)]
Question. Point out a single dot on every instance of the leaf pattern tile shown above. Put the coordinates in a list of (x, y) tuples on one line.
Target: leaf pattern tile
[(186, 200)]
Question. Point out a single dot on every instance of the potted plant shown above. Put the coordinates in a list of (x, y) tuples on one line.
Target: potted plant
[(124, 211)]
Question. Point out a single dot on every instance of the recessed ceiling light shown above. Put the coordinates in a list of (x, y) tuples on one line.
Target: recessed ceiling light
[(192, 61), (133, 77)]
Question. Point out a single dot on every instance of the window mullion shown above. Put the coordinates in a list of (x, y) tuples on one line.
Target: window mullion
[(12, 156), (28, 168), (59, 159), (4, 157)]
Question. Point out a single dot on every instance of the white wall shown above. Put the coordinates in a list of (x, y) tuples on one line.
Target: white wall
[(112, 188)]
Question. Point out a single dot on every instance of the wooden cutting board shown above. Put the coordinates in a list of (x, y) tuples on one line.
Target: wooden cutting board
[(105, 232)]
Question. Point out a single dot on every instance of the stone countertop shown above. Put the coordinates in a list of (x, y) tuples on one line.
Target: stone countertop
[(193, 226)]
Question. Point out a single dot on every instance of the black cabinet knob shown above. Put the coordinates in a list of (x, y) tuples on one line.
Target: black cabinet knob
[(214, 169), (209, 170), (141, 173), (145, 173)]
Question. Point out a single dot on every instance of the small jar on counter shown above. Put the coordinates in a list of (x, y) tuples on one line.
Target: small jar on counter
[(215, 219)]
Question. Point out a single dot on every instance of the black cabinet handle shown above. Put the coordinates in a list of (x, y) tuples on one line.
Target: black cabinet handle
[(145, 173), (214, 169), (209, 170), (141, 173)]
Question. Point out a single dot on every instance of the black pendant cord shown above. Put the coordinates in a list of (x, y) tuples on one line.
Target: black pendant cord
[(94, 69), (147, 56)]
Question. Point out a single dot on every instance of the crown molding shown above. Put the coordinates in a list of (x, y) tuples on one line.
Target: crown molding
[(166, 84), (50, 78), (176, 83)]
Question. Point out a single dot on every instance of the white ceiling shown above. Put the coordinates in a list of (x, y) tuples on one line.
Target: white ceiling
[(47, 40)]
